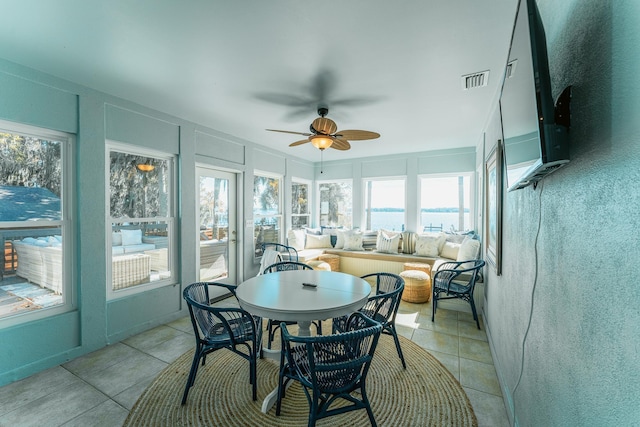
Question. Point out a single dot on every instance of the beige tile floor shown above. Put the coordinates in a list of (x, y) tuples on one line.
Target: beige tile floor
[(100, 388)]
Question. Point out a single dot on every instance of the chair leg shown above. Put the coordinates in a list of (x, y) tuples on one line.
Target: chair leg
[(434, 305), (192, 375), (367, 406), (392, 328), (473, 310)]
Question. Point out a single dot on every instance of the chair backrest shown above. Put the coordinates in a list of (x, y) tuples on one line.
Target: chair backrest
[(269, 256), (384, 305), (230, 323), (286, 266), (449, 272), (334, 362), (287, 253)]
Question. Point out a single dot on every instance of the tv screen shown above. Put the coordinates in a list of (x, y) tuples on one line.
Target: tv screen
[(533, 144)]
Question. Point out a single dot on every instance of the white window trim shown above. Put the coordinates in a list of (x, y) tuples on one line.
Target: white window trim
[(171, 220), (364, 196), (69, 295)]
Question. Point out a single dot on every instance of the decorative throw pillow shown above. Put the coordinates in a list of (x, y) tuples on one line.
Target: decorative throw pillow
[(318, 242), (296, 239), (131, 237), (469, 250), (340, 238), (408, 242), (450, 250), (388, 242), (353, 241), (429, 244)]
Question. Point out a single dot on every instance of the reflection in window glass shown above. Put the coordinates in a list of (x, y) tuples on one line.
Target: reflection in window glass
[(300, 214), (336, 204), (33, 221), (445, 203), (141, 219), (267, 211), (384, 205)]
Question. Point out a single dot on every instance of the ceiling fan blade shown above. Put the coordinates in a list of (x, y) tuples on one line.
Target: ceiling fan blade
[(340, 144), (288, 131), (357, 135), (295, 144)]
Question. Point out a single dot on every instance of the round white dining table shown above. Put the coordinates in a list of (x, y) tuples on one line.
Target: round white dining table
[(283, 296)]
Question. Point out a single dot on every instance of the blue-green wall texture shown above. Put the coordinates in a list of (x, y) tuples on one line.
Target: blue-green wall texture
[(563, 318)]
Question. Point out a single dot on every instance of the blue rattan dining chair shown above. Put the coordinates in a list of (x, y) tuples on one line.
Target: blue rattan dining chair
[(448, 281), (287, 253), (330, 367), (381, 307), (272, 324), (221, 327)]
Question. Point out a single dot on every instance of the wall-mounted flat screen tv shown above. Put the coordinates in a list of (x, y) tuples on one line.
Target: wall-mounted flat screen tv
[(534, 144)]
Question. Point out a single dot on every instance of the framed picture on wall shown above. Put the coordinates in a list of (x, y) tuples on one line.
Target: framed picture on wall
[(493, 206)]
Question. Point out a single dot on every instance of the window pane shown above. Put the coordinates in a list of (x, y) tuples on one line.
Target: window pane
[(140, 206), (32, 275), (266, 195), (266, 230), (444, 203), (384, 205), (336, 204), (299, 198)]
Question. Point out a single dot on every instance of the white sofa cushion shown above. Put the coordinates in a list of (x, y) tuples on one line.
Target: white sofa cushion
[(469, 250), (353, 241), (340, 238), (317, 242), (450, 250), (296, 239)]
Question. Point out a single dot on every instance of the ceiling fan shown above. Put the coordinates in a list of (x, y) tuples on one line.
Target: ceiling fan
[(324, 134)]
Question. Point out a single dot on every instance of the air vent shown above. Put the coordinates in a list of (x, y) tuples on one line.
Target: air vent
[(511, 68), (474, 80)]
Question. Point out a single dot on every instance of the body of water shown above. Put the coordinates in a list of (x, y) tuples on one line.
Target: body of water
[(395, 220)]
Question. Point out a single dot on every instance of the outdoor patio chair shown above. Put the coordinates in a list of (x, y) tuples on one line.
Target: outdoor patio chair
[(221, 327), (381, 307), (330, 367), (445, 281), (272, 324)]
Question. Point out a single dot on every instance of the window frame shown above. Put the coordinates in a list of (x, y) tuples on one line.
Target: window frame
[(318, 210), (170, 220), (66, 223), (470, 175), (365, 194), (309, 214)]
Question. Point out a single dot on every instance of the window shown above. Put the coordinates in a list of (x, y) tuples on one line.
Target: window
[(141, 206), (300, 213), (267, 211), (445, 203), (384, 204), (35, 232), (336, 204)]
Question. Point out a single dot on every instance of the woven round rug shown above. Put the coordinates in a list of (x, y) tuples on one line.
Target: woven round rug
[(425, 394)]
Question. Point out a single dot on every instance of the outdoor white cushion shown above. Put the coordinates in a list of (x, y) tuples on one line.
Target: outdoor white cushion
[(353, 241), (296, 239), (317, 242), (388, 241), (116, 238), (131, 237)]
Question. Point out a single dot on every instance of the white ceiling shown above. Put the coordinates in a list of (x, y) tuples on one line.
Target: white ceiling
[(392, 67)]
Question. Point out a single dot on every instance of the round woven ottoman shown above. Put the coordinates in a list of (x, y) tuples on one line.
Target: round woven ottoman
[(332, 260), (319, 265), (417, 286), (420, 266)]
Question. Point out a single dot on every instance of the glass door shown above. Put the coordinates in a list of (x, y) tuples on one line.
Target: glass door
[(217, 249)]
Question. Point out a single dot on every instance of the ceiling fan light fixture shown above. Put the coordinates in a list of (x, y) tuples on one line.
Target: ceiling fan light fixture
[(321, 142)]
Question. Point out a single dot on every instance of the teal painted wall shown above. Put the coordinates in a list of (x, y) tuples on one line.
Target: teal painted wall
[(38, 99), (563, 317)]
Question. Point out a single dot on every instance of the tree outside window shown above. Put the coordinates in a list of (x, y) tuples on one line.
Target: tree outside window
[(336, 204), (267, 211), (300, 213)]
